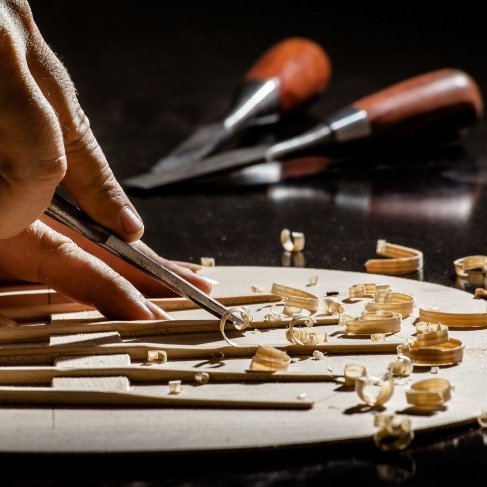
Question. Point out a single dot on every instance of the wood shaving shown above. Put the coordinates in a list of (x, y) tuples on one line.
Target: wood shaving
[(292, 241), (402, 260), (269, 359), (207, 261), (375, 391), (429, 393), (470, 263), (175, 387), (395, 432), (296, 298)]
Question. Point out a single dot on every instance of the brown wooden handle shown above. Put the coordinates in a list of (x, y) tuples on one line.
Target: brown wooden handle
[(443, 102), (302, 67)]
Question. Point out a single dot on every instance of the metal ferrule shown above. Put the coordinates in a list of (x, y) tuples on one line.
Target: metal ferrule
[(349, 124), (343, 126), (259, 102)]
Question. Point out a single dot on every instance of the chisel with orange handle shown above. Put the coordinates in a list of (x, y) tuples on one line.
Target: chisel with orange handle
[(290, 74), (438, 106)]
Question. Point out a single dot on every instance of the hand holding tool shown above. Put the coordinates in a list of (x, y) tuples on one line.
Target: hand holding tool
[(64, 212), (437, 105), (292, 72)]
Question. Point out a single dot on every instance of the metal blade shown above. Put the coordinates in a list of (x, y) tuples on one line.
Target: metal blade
[(197, 146), (165, 275), (212, 165), (64, 212)]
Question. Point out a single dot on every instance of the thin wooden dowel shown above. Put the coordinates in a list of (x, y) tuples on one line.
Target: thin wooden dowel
[(153, 374), (43, 312), (46, 354), (130, 329), (36, 396), (43, 354)]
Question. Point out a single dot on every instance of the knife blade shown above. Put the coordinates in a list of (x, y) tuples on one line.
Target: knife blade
[(437, 105), (71, 216), (292, 72)]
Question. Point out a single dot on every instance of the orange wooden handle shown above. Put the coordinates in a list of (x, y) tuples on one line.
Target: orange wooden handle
[(302, 67), (446, 100)]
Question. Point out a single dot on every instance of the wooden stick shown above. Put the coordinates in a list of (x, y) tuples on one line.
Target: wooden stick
[(36, 396), (153, 374), (47, 353), (41, 331), (43, 312), (43, 354), (203, 352)]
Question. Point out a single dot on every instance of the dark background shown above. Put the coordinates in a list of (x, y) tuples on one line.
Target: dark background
[(149, 73)]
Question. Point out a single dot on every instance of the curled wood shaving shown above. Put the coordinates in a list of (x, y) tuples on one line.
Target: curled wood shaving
[(382, 388), (296, 297), (367, 290), (428, 334), (387, 300), (395, 432), (430, 350), (292, 241), (246, 319), (267, 358), (402, 260), (453, 320), (402, 366), (299, 337), (332, 306), (352, 372), (207, 261), (372, 322), (429, 393), (482, 418), (470, 263), (159, 356), (202, 377)]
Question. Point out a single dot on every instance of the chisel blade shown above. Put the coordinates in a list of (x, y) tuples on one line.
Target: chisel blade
[(288, 75), (212, 165), (199, 145)]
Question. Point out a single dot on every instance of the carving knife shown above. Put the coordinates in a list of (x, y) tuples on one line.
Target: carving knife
[(440, 104), (69, 215), (291, 73)]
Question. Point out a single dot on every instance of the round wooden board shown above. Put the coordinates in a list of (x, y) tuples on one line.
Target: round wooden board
[(336, 417)]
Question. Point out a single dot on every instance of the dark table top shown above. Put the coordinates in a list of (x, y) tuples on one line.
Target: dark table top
[(148, 75)]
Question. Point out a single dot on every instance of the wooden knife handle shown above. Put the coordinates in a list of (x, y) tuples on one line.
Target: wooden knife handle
[(302, 67), (436, 104)]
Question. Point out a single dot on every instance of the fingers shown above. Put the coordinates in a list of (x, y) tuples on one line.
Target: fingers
[(40, 254), (45, 137), (32, 160), (89, 178), (149, 286)]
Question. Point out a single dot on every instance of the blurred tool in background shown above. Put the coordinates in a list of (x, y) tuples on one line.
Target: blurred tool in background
[(434, 107), (288, 76)]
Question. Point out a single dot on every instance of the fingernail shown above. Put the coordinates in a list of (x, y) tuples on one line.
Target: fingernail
[(131, 223), (207, 279), (159, 313)]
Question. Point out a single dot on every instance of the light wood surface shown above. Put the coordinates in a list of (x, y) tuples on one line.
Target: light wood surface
[(87, 419)]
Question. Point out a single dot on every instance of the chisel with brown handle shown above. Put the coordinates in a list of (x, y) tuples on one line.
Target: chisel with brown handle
[(438, 105), (288, 75)]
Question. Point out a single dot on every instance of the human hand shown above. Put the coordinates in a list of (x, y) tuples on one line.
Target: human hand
[(46, 140), (49, 253)]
